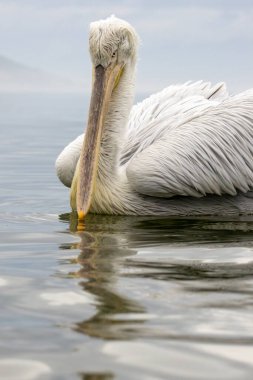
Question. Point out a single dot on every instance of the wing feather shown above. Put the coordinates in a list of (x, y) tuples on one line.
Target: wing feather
[(177, 103), (67, 160), (210, 154)]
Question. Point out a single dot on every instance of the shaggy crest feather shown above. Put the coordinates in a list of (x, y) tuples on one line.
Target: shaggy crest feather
[(106, 36)]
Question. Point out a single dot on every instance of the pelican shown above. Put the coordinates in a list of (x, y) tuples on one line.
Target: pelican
[(186, 150)]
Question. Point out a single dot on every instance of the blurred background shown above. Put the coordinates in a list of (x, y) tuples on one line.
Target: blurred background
[(43, 43)]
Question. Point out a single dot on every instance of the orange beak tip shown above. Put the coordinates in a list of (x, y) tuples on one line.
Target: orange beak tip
[(81, 215)]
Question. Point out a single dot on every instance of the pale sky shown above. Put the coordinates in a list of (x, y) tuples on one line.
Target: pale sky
[(181, 40)]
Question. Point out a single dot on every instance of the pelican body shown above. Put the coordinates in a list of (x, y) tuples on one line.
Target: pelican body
[(186, 150)]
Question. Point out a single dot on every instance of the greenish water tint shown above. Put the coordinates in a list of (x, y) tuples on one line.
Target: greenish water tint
[(117, 297)]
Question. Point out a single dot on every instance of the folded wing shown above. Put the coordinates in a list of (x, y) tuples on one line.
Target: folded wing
[(174, 105), (210, 154)]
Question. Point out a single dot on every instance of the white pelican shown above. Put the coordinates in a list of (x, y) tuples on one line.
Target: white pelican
[(187, 150)]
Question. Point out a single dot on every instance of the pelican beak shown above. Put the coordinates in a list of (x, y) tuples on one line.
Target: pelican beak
[(104, 82)]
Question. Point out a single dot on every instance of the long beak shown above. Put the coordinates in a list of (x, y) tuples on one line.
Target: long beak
[(105, 80)]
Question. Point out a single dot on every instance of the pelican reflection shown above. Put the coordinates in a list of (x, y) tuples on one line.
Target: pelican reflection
[(112, 272)]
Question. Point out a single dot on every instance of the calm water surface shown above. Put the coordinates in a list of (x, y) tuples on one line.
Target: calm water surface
[(119, 297)]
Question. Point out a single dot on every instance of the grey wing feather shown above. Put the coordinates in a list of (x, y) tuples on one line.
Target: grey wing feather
[(211, 154), (67, 160), (175, 103)]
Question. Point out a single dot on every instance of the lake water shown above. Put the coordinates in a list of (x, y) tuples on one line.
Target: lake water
[(119, 297)]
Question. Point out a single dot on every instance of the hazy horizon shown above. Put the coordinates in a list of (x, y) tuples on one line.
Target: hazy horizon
[(181, 41)]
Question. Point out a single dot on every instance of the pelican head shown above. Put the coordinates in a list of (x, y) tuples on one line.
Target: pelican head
[(113, 46), (112, 41)]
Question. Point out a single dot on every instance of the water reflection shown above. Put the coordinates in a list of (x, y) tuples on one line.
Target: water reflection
[(146, 230), (101, 251), (150, 283), (96, 376)]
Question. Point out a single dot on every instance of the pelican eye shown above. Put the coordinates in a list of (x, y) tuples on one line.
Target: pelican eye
[(114, 54)]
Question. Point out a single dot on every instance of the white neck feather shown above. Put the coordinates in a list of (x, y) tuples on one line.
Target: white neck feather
[(115, 126)]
